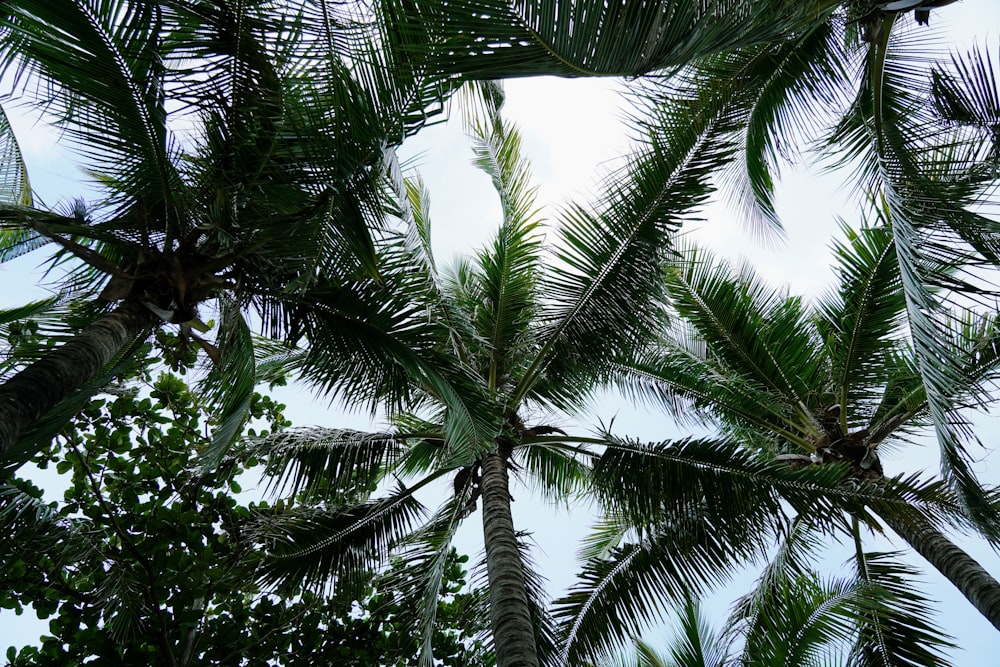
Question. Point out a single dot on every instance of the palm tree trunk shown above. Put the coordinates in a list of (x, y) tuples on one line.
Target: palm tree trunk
[(513, 634), (31, 393), (967, 575)]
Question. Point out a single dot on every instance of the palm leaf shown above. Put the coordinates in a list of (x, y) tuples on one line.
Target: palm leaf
[(784, 91), (899, 629), (861, 323), (326, 464), (615, 597), (231, 382), (123, 596), (14, 185), (800, 622), (104, 71), (740, 492), (368, 343), (423, 556), (497, 39), (557, 473), (760, 333), (694, 645), (608, 264), (678, 373), (969, 94), (33, 309), (336, 547), (508, 269), (897, 136)]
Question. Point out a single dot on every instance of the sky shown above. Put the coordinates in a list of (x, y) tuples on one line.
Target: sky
[(573, 133)]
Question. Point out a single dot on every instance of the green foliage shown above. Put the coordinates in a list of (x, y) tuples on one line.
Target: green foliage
[(805, 400), (861, 85), (236, 153), (493, 39), (149, 557)]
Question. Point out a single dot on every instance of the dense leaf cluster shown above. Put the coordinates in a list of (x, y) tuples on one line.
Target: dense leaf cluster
[(149, 560)]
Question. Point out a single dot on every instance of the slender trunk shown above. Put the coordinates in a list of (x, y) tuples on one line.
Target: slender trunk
[(31, 393), (967, 575), (513, 634)]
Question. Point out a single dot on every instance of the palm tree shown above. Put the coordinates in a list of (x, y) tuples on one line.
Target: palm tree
[(861, 82), (922, 131), (464, 362), (798, 621), (236, 149), (803, 398)]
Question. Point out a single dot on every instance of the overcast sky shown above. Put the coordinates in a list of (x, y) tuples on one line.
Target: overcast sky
[(573, 134)]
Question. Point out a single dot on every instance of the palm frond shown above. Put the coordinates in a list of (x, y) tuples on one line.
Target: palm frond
[(903, 405), (679, 374), (968, 93), (231, 382), (977, 336), (423, 557), (606, 280), (861, 323), (742, 494), (103, 68), (124, 599), (14, 185), (335, 548), (791, 560), (934, 237), (30, 310), (377, 347), (897, 628), (508, 270), (558, 474), (649, 483), (326, 464), (410, 254), (609, 532), (785, 91), (617, 596), (499, 39), (800, 621), (25, 515), (761, 333), (695, 644)]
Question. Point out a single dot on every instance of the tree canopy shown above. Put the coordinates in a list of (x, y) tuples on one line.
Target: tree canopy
[(150, 559)]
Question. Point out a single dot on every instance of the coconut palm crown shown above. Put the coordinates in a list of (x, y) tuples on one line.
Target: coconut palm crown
[(805, 402), (868, 87), (235, 151)]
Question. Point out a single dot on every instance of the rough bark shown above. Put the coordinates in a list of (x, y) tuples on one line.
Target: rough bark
[(513, 634), (963, 571), (32, 392)]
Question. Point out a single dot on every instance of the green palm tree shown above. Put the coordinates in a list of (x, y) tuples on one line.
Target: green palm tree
[(236, 151), (470, 364), (770, 73), (864, 85), (805, 401), (797, 621)]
